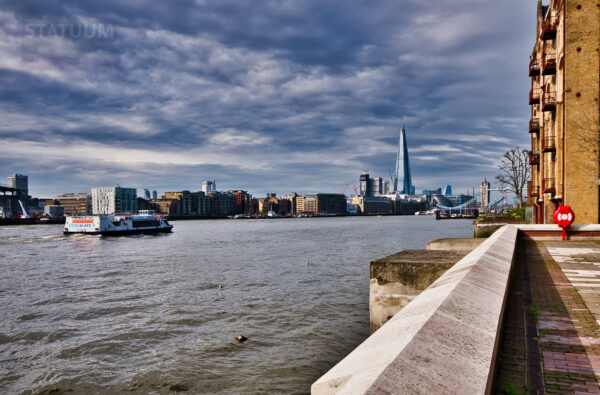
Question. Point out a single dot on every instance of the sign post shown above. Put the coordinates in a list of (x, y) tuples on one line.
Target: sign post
[(564, 217)]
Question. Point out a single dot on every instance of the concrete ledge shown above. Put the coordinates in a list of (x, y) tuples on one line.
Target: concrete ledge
[(397, 279), (454, 244), (445, 340)]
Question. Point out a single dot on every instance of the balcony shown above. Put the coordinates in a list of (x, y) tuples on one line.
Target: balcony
[(534, 95), (549, 185), (534, 68), (534, 158), (534, 126), (533, 191), (549, 28), (548, 100), (549, 144), (549, 64)]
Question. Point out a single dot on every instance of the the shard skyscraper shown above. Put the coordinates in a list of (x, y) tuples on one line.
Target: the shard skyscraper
[(402, 178)]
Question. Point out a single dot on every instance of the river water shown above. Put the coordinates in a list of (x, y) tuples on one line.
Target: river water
[(158, 314)]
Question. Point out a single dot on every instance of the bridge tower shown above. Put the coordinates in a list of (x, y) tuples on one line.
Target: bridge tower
[(485, 194)]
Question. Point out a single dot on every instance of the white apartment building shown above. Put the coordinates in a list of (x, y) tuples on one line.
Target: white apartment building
[(110, 200)]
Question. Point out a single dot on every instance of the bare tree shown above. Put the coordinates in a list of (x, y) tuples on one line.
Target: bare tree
[(514, 172)]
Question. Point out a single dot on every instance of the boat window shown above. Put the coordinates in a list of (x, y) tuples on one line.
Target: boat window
[(145, 223)]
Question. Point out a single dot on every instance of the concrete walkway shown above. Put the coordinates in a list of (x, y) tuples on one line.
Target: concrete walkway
[(564, 283)]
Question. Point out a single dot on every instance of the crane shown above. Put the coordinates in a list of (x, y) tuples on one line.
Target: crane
[(344, 191), (493, 206)]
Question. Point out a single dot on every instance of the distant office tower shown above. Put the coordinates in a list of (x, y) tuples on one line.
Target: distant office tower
[(19, 182), (146, 194), (402, 177), (377, 186), (109, 200), (154, 195), (448, 190), (485, 193), (364, 183), (370, 186), (209, 186)]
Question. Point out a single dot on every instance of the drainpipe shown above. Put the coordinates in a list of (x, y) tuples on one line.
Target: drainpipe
[(564, 120)]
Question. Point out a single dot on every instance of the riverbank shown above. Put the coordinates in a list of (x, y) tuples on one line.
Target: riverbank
[(31, 221)]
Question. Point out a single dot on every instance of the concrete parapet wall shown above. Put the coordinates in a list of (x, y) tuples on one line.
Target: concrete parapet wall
[(445, 340)]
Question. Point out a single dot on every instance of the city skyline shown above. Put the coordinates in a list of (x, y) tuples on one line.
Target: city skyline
[(268, 98), (142, 191)]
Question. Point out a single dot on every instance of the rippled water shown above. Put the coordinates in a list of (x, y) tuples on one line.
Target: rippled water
[(146, 314)]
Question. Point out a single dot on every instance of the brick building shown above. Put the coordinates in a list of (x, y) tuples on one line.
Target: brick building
[(565, 113), (370, 205), (184, 203), (222, 203), (242, 202), (269, 203), (325, 203), (75, 203), (165, 206)]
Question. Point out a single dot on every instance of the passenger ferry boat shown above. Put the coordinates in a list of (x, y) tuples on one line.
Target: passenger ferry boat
[(146, 222)]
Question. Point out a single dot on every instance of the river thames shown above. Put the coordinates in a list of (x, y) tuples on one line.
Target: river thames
[(158, 314)]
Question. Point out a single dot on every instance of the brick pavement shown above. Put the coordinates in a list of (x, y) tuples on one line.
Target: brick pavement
[(565, 291), (511, 370)]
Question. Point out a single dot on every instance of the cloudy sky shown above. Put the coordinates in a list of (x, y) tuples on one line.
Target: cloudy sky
[(267, 96)]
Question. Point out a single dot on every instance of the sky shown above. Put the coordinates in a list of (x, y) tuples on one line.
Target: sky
[(266, 96)]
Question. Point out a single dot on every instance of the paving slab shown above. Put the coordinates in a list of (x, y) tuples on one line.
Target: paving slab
[(579, 261)]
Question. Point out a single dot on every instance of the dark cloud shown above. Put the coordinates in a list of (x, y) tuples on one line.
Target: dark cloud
[(271, 96)]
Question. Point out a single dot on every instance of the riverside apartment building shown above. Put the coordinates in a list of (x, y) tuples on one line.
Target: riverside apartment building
[(565, 113)]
